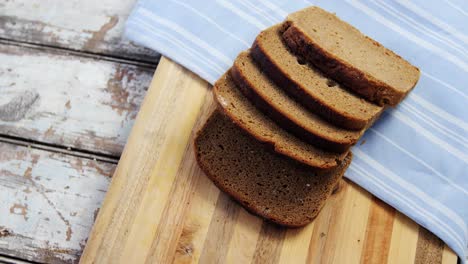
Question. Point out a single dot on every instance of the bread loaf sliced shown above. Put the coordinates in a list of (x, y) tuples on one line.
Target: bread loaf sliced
[(309, 86), (288, 113), (351, 58), (267, 184), (242, 112)]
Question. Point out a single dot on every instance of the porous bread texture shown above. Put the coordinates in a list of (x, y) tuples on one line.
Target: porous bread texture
[(277, 188), (241, 111)]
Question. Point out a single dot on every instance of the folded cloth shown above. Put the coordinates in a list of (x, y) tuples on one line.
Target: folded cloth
[(416, 156)]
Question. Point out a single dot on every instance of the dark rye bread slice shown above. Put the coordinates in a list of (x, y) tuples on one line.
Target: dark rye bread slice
[(287, 112), (267, 184), (242, 112), (309, 86), (348, 56)]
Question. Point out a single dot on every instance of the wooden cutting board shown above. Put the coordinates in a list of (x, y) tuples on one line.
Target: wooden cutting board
[(161, 208)]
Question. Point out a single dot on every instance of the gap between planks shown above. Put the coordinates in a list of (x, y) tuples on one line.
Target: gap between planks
[(79, 53), (59, 149), (10, 260)]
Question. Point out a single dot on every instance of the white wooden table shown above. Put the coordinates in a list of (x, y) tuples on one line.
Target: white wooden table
[(70, 88)]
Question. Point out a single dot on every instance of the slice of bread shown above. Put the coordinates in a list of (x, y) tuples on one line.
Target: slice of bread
[(351, 58), (309, 86), (285, 111), (242, 112), (267, 184)]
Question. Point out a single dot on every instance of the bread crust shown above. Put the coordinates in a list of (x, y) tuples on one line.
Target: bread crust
[(322, 140), (364, 84), (296, 90), (318, 165)]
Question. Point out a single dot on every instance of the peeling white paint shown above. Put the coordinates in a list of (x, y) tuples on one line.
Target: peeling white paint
[(48, 201), (83, 103), (76, 24), (56, 197)]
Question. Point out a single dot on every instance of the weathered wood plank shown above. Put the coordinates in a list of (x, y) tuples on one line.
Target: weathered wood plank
[(48, 202), (93, 26), (70, 101), (9, 260)]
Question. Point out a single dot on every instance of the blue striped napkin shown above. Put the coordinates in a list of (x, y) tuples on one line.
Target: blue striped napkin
[(416, 157)]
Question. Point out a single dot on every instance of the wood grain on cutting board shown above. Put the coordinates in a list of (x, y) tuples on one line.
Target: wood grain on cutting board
[(161, 208)]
